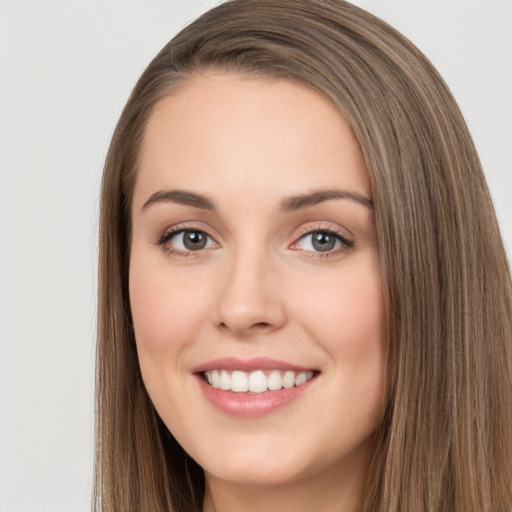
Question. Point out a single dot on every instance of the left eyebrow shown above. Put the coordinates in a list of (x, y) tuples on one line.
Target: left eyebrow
[(298, 202)]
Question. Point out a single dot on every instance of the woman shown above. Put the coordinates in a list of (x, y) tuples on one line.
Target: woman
[(304, 301)]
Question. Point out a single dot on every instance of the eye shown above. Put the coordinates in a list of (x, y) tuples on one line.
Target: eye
[(186, 240), (323, 241)]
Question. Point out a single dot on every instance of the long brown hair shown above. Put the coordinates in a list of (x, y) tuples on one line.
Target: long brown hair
[(445, 440)]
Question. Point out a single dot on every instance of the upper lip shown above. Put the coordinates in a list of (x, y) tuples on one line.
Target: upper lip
[(248, 365)]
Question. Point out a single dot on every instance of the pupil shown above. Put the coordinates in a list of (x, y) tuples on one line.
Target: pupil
[(194, 240), (323, 241)]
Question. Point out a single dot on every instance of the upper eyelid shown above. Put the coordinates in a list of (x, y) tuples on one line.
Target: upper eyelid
[(181, 227), (327, 226)]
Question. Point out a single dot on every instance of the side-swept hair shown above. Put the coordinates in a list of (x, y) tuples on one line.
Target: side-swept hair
[(445, 440)]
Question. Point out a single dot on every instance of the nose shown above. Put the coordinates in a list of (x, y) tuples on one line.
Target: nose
[(250, 298)]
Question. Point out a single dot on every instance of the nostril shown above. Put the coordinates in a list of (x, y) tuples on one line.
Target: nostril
[(256, 325), (261, 324)]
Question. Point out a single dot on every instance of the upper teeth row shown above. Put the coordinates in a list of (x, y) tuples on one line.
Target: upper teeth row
[(257, 381)]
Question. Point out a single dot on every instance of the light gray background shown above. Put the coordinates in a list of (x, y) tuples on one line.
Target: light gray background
[(66, 69)]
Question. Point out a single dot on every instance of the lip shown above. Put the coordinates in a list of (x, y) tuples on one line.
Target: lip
[(248, 365), (245, 405)]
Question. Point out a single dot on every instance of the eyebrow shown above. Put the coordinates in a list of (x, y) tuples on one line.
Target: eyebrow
[(290, 204), (301, 201), (180, 197)]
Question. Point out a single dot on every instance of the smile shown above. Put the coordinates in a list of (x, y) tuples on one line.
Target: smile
[(258, 381), (253, 388)]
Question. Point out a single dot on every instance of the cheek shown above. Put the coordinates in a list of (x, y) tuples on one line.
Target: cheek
[(347, 319), (346, 314), (165, 306), (166, 310)]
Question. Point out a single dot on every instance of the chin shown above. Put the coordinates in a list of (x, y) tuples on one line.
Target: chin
[(252, 462), (254, 473)]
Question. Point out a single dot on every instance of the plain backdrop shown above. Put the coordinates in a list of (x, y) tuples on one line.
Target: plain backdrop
[(66, 69)]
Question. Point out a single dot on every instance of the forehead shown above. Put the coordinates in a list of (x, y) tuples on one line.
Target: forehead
[(225, 132)]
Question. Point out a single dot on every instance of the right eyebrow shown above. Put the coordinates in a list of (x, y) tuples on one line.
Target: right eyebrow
[(180, 197)]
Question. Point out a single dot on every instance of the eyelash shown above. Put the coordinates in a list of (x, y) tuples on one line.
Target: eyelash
[(346, 244)]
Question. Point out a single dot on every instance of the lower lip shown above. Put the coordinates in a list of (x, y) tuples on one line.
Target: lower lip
[(245, 405)]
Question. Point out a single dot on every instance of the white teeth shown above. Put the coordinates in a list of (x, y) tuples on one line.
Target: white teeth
[(239, 382), (302, 378), (274, 380), (257, 381), (225, 380), (289, 380), (215, 379)]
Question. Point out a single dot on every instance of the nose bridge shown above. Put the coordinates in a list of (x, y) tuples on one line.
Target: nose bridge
[(249, 297)]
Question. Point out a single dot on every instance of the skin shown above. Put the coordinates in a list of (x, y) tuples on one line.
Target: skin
[(260, 288)]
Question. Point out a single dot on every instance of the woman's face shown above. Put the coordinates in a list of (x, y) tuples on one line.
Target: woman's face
[(254, 265)]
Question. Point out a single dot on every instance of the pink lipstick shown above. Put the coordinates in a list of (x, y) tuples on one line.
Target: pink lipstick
[(254, 387)]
